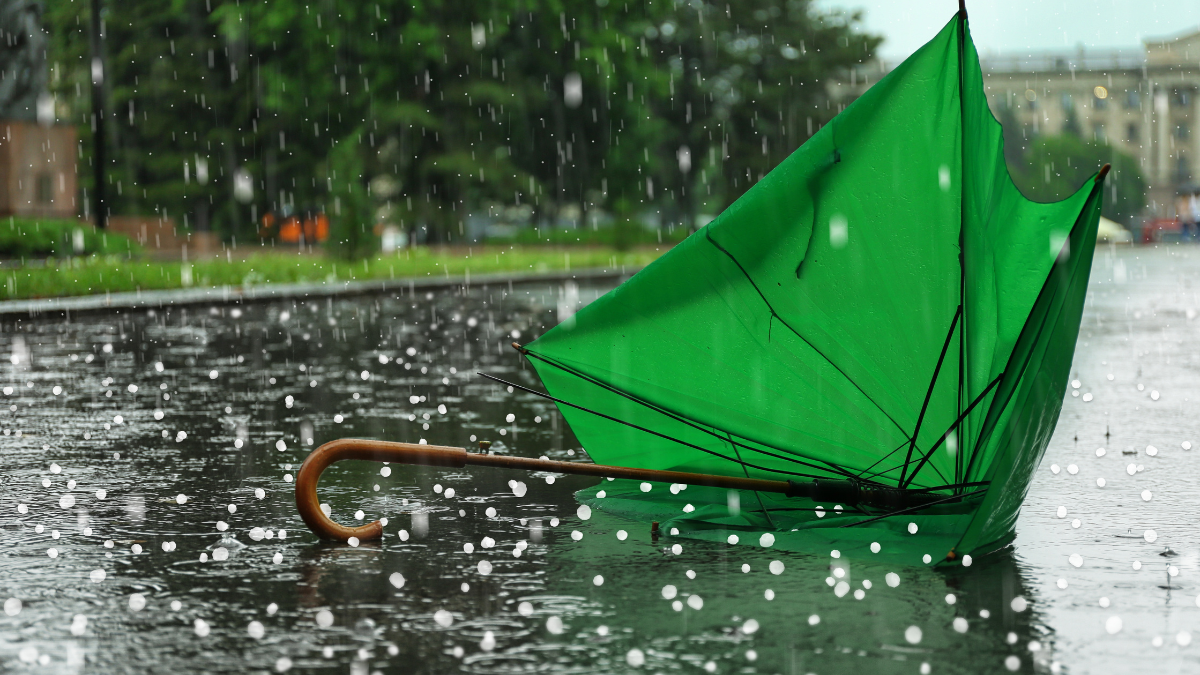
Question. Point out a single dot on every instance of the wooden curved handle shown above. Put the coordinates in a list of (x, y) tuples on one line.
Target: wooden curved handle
[(309, 505)]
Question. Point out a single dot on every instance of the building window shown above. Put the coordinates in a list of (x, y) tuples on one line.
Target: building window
[(1098, 133), (44, 189), (1131, 133), (1068, 103), (1133, 99), (1183, 98), (1182, 171), (1182, 131)]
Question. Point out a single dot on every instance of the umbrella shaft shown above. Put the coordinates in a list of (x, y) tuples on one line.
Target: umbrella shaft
[(820, 490), (629, 473)]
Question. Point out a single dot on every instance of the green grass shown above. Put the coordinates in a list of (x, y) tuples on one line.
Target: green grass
[(112, 274), (627, 237)]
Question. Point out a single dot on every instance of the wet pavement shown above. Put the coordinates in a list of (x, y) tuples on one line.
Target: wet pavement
[(147, 521)]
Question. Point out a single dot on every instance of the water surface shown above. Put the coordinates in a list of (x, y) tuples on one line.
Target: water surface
[(175, 433)]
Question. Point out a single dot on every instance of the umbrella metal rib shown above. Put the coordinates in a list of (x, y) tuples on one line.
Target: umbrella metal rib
[(834, 467)]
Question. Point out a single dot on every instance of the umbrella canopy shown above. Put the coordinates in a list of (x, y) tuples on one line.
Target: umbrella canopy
[(884, 306)]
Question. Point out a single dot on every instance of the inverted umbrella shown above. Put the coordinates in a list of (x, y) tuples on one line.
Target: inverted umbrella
[(882, 323)]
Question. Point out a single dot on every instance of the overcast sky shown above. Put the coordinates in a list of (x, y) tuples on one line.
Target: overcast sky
[(1024, 25)]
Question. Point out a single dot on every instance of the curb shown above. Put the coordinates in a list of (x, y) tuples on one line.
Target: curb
[(115, 302)]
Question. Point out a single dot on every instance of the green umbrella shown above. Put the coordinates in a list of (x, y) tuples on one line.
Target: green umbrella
[(882, 310)]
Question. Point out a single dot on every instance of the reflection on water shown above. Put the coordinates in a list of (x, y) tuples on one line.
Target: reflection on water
[(178, 433)]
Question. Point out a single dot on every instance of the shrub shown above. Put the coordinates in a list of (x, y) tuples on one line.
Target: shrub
[(58, 238)]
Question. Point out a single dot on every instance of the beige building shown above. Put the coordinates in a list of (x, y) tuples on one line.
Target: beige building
[(37, 169), (1144, 101)]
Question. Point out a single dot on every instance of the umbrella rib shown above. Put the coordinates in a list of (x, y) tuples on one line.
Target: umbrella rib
[(649, 431), (679, 418), (929, 393), (962, 222), (876, 474), (747, 472), (915, 508), (958, 421), (898, 485), (876, 462), (949, 486), (797, 333), (943, 437)]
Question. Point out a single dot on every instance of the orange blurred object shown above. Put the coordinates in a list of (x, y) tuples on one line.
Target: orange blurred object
[(289, 231), (268, 226), (314, 228)]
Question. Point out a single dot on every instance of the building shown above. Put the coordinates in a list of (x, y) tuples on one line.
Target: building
[(37, 170), (37, 156), (1144, 101)]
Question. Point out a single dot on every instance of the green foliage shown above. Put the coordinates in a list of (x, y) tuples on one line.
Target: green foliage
[(351, 234), (59, 238), (448, 108), (1055, 166)]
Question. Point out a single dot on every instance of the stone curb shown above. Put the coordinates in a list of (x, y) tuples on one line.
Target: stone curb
[(114, 302)]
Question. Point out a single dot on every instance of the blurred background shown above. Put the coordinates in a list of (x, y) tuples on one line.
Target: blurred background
[(185, 130)]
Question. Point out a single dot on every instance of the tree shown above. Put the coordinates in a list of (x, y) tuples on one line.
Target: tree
[(1055, 167), (425, 112)]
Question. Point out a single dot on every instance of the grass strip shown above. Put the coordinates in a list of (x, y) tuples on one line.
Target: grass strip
[(98, 275)]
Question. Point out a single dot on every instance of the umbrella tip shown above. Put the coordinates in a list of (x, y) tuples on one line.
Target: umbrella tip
[(1103, 172), (517, 346), (962, 8)]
